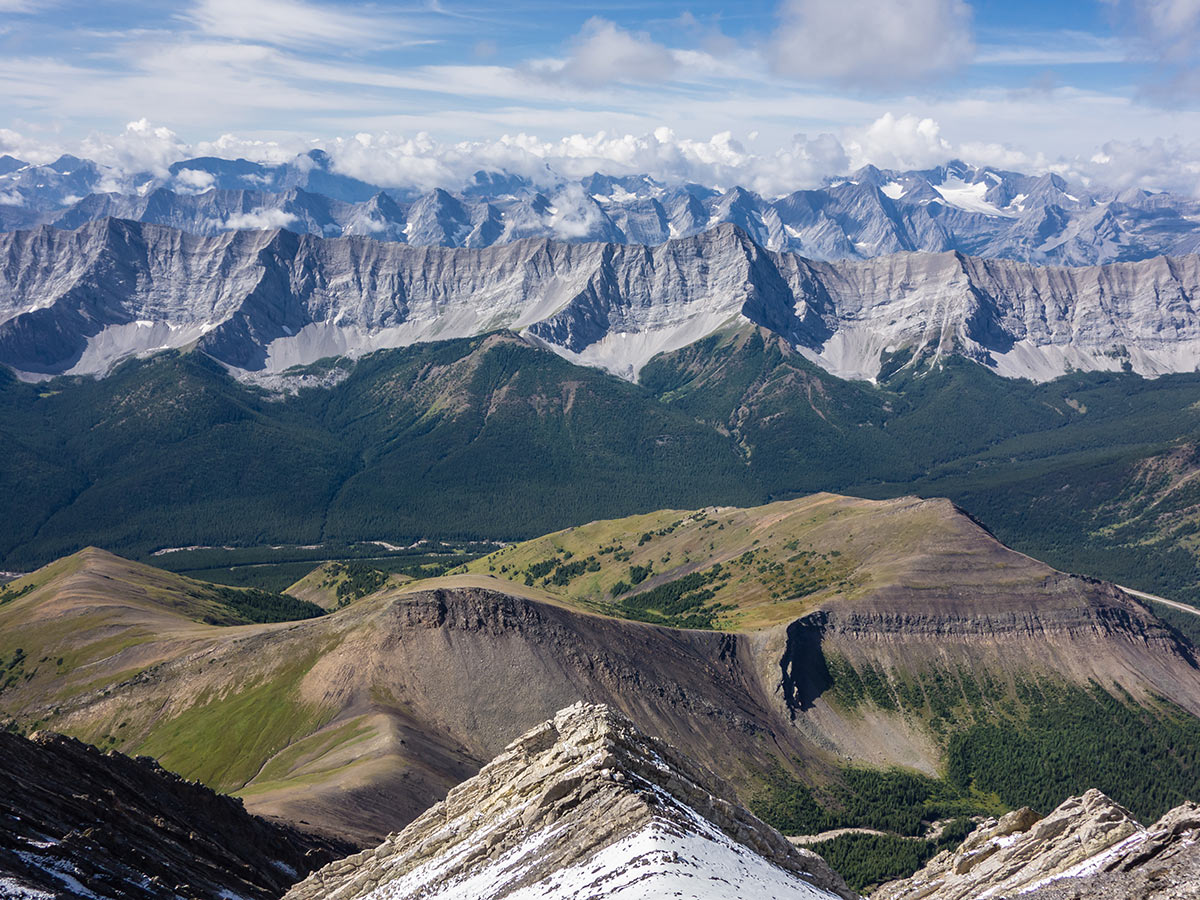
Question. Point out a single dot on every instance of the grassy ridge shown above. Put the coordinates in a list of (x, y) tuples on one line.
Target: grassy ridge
[(720, 567)]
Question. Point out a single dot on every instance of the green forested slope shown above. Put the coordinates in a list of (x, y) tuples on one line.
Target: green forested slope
[(478, 438), (490, 438)]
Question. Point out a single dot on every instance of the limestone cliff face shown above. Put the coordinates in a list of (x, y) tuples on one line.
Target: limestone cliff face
[(1087, 847), (582, 804), (261, 301)]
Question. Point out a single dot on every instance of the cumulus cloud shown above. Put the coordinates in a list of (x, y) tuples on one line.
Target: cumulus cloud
[(871, 43), (258, 220), (1170, 28), (141, 147), (603, 53), (422, 162), (193, 181), (1151, 165), (904, 142), (576, 214), (1165, 34)]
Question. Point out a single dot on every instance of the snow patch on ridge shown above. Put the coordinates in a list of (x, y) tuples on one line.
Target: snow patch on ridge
[(624, 353), (660, 860), (970, 197)]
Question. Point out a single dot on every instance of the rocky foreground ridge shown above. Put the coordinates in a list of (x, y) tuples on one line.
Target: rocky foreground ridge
[(1088, 847), (263, 301), (584, 805), (80, 824)]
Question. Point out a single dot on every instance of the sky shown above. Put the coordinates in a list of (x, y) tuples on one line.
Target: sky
[(774, 94)]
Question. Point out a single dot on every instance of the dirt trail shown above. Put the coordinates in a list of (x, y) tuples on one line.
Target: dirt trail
[(1174, 604)]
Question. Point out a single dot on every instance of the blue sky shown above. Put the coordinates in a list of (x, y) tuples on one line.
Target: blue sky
[(1096, 87)]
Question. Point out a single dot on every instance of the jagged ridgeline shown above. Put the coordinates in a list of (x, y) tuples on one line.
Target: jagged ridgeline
[(773, 644), (982, 210)]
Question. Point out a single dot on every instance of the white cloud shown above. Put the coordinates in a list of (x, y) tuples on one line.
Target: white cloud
[(258, 220), (1151, 165), (576, 215), (1058, 48), (603, 52), (141, 147), (872, 43), (1171, 28), (193, 181), (1165, 34), (424, 162), (421, 161), (285, 22), (904, 142)]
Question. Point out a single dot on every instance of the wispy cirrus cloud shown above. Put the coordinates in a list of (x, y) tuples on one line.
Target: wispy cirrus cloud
[(291, 23)]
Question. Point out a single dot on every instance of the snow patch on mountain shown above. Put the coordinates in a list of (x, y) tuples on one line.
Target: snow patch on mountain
[(970, 197)]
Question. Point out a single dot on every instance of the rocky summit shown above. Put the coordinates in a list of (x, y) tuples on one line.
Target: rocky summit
[(584, 805), (1088, 847)]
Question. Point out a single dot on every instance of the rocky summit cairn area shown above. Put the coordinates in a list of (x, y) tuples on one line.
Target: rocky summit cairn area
[(1088, 847), (584, 805)]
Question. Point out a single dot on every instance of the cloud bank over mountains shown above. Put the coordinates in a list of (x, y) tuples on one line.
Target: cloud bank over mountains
[(773, 94), (422, 162)]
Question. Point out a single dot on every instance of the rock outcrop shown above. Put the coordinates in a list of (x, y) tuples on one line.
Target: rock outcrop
[(1088, 847), (584, 804), (263, 301), (80, 824)]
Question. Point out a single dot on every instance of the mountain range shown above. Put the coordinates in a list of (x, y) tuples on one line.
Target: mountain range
[(842, 617), (264, 301), (974, 210), (728, 483)]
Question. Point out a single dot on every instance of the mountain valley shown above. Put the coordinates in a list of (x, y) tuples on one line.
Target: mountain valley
[(491, 439), (462, 489), (622, 451)]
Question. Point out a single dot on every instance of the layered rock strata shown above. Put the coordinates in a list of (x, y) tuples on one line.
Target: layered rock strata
[(80, 824), (1088, 847), (263, 301)]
